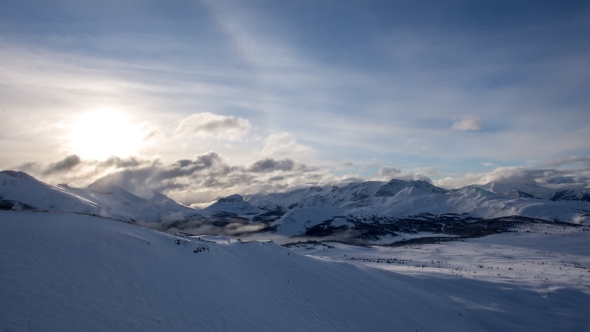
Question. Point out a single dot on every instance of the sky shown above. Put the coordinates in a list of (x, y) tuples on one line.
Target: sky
[(202, 99)]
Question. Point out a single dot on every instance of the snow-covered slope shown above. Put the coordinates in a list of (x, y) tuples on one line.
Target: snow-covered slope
[(402, 199), (297, 221), (284, 201), (233, 204), (572, 194), (539, 256), (394, 186), (100, 198), (338, 197), (21, 191), (518, 189), (476, 202), (66, 272), (123, 203), (353, 194), (532, 190), (294, 213)]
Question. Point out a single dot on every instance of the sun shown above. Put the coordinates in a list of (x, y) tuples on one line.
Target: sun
[(103, 133)]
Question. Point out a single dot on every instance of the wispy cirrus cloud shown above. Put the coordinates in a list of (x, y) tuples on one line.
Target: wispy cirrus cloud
[(543, 176), (570, 160)]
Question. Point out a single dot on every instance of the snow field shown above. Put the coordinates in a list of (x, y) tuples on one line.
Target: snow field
[(67, 272), (539, 257)]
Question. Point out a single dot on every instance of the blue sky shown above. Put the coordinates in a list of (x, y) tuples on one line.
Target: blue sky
[(348, 89)]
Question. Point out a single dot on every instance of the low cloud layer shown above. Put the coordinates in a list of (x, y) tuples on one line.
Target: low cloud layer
[(389, 171), (64, 165), (542, 176), (79, 172), (196, 182), (271, 165), (571, 160), (203, 179)]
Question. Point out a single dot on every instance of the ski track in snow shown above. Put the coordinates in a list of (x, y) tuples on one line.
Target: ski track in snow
[(67, 272)]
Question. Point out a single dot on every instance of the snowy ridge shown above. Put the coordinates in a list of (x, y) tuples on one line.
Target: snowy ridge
[(121, 202), (100, 198), (394, 186), (533, 190), (20, 190), (339, 197), (401, 199), (233, 204), (518, 189), (278, 201), (297, 212)]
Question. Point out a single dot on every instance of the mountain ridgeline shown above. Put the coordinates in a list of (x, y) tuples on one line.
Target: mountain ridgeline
[(368, 211)]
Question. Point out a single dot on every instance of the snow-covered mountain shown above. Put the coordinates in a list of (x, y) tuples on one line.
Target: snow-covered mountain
[(373, 208), (288, 200), (533, 190), (119, 201), (20, 191), (394, 186), (351, 195), (517, 189), (233, 204), (572, 194), (407, 199)]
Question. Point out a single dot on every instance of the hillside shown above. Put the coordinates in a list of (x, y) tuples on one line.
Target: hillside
[(66, 272), (378, 203), (22, 191)]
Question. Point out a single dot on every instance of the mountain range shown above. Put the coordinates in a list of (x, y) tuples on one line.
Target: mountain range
[(361, 206)]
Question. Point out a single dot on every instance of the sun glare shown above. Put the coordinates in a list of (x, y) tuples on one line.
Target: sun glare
[(104, 133)]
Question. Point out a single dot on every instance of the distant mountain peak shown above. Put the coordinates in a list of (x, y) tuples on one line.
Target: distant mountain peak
[(102, 198), (17, 174), (233, 204), (394, 186), (231, 199), (102, 186)]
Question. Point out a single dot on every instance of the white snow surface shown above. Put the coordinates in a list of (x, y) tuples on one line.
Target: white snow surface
[(514, 188), (23, 188), (410, 200), (233, 204), (276, 201), (304, 208), (68, 272), (99, 198), (540, 257), (474, 201), (510, 188), (297, 221)]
